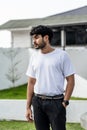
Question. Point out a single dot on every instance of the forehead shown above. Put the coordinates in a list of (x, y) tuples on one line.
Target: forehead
[(36, 36)]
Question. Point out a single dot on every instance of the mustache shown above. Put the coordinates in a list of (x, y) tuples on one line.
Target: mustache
[(34, 43)]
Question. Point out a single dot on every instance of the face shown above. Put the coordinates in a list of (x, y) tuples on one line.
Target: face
[(38, 42)]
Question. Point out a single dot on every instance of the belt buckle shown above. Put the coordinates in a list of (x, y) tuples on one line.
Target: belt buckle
[(43, 97)]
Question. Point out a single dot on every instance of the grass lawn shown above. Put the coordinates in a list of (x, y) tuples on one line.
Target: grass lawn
[(14, 93), (20, 93), (19, 125)]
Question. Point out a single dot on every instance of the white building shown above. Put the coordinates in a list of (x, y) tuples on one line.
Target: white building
[(69, 28)]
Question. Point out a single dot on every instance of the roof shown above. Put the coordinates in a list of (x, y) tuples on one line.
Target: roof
[(78, 11), (66, 20), (72, 17), (22, 23), (76, 16)]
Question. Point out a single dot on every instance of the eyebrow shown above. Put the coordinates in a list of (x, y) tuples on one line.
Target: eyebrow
[(35, 35)]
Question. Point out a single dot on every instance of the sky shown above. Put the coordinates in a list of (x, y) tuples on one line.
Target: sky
[(25, 9)]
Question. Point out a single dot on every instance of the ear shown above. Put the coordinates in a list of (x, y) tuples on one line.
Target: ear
[(46, 37)]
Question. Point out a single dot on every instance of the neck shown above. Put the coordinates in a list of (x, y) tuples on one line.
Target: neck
[(47, 49)]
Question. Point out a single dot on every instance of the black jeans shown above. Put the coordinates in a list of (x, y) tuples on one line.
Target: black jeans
[(49, 113)]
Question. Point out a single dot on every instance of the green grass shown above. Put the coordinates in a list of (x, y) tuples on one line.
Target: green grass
[(78, 98), (19, 125), (16, 125), (74, 126), (20, 93), (14, 93)]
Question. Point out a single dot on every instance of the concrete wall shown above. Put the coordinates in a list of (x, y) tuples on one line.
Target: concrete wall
[(16, 109), (13, 66), (12, 109), (79, 58), (21, 38), (75, 110)]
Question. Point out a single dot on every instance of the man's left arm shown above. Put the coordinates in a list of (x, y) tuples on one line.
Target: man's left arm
[(69, 89)]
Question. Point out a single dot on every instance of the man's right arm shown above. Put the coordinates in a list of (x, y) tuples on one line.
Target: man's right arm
[(30, 92)]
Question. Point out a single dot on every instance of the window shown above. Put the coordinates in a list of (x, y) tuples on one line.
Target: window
[(56, 39)]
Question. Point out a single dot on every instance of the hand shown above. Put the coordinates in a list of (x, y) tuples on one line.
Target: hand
[(29, 116), (64, 104)]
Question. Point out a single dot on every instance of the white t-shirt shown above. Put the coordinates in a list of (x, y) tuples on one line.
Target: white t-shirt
[(50, 70)]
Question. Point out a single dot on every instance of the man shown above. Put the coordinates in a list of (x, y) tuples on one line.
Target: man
[(47, 71)]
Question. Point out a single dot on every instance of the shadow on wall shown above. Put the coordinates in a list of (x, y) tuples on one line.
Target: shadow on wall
[(13, 66)]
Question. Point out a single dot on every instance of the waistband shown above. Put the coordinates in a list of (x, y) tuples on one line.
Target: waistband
[(60, 96)]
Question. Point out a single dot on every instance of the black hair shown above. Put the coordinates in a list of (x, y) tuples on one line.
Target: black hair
[(42, 30)]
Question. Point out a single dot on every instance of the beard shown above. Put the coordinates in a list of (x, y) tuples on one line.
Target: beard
[(40, 46)]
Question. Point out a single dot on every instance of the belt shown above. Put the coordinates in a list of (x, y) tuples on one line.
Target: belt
[(60, 96)]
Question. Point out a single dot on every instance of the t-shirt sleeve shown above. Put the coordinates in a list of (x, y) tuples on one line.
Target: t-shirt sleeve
[(30, 71), (67, 66)]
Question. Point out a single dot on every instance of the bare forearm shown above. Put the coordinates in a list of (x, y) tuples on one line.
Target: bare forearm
[(30, 91), (68, 92), (29, 95), (69, 88)]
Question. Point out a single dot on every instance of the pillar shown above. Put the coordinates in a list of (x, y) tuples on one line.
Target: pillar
[(63, 39)]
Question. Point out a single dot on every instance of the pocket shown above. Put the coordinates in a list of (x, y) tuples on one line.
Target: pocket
[(59, 105)]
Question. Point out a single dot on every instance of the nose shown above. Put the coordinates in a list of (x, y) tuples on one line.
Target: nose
[(34, 40)]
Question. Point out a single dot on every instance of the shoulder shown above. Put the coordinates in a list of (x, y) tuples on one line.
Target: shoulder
[(64, 56), (61, 52)]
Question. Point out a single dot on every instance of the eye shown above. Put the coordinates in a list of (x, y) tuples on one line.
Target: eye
[(37, 37)]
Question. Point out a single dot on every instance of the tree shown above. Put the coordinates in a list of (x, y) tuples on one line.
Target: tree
[(13, 74)]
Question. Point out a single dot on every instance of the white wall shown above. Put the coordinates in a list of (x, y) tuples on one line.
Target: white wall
[(18, 59), (78, 57), (16, 109), (21, 38), (12, 109), (75, 110)]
